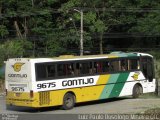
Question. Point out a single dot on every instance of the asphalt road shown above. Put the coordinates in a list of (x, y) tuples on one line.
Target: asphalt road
[(125, 105)]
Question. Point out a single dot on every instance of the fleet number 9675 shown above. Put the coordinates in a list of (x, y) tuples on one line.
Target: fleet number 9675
[(46, 85), (17, 89)]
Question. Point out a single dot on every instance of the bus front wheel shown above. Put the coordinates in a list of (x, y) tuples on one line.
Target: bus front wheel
[(136, 91), (68, 101)]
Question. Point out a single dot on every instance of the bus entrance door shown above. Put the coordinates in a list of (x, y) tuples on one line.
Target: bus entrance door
[(147, 69)]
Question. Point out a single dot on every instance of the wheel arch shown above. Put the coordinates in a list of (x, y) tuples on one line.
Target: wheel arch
[(140, 85)]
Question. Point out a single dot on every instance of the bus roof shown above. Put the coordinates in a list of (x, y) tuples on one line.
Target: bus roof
[(72, 57)]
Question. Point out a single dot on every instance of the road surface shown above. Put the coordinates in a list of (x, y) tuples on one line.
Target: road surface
[(125, 105)]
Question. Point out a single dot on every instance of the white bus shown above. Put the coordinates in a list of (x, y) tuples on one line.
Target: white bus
[(66, 80)]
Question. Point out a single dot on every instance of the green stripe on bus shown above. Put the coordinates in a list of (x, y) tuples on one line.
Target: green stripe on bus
[(108, 88), (125, 54), (131, 55), (119, 85)]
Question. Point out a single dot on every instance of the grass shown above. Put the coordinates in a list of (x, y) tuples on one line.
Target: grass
[(150, 114), (149, 95), (153, 111)]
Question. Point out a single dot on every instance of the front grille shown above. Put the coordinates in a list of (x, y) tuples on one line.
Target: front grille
[(44, 98)]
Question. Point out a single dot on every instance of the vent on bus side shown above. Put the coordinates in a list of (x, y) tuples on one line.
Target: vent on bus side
[(44, 98)]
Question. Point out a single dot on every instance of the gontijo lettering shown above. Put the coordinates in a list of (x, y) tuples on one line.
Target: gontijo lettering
[(17, 68), (18, 75), (67, 83), (77, 82)]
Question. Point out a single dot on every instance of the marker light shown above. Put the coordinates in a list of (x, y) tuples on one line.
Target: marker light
[(31, 93)]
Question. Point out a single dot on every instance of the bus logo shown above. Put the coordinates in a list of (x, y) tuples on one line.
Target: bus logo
[(135, 76), (17, 66)]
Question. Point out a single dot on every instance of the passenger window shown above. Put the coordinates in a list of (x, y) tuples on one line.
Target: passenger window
[(65, 69), (105, 66), (115, 66), (83, 68), (124, 65), (51, 70), (69, 69), (40, 72), (133, 64), (60, 70), (97, 67)]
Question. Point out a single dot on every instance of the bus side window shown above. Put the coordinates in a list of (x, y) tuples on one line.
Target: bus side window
[(51, 70), (65, 69), (83, 68), (41, 72), (69, 69), (98, 67), (133, 64), (91, 68), (105, 66), (77, 70), (115, 65), (124, 65), (60, 70)]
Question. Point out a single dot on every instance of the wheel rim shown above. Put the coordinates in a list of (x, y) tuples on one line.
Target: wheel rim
[(137, 91), (69, 102)]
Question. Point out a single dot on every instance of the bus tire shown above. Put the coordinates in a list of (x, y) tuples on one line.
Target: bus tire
[(136, 91), (68, 101)]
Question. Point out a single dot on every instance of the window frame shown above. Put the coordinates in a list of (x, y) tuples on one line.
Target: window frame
[(45, 64), (74, 62), (138, 60)]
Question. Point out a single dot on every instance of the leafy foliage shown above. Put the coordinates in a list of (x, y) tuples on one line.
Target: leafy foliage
[(52, 27), (13, 48), (3, 31)]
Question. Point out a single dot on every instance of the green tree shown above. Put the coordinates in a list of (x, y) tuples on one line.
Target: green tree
[(3, 31), (101, 17), (46, 24), (14, 48)]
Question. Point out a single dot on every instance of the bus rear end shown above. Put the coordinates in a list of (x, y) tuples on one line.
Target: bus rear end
[(18, 82)]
